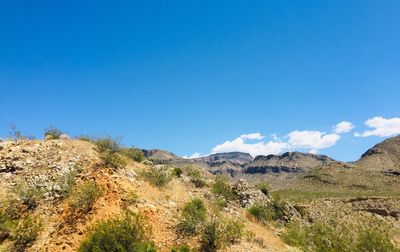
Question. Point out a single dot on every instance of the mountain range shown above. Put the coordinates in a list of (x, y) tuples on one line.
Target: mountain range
[(384, 157)]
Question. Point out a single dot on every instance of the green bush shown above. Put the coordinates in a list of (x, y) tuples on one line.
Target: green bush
[(11, 209), (275, 210), (157, 175), (183, 248), (4, 226), (108, 144), (112, 159), (336, 237), (196, 177), (222, 187), (264, 187), (373, 240), (217, 233), (84, 197), (193, 216), (177, 172), (52, 133), (260, 211), (29, 196), (129, 198), (133, 153), (26, 232), (66, 182), (129, 233)]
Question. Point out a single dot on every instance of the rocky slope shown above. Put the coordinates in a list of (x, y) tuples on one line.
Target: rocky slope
[(43, 167), (383, 156)]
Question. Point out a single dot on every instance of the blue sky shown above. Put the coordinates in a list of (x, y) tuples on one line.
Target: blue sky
[(188, 76)]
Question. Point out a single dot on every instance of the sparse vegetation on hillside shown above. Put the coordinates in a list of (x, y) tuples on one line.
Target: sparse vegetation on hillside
[(110, 150), (129, 233), (193, 216), (112, 159), (222, 187), (158, 175), (264, 187), (267, 212), (29, 195), (129, 198), (336, 237), (66, 182), (52, 133), (26, 232), (196, 176), (84, 196), (219, 232), (215, 231), (183, 248), (133, 153)]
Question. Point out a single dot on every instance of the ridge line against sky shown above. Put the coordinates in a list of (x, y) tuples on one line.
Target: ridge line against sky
[(311, 141), (188, 76)]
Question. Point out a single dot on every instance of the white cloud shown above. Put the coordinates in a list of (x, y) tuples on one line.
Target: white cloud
[(252, 136), (194, 155), (314, 140), (343, 127), (254, 149), (382, 127)]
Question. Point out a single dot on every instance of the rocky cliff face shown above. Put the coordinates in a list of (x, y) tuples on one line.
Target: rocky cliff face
[(289, 162), (239, 158), (383, 156)]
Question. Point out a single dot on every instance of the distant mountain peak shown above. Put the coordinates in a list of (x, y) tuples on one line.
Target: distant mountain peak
[(384, 155)]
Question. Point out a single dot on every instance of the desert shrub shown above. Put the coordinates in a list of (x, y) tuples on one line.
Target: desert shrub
[(194, 214), (222, 187), (183, 248), (11, 209), (374, 240), (295, 235), (85, 138), (133, 153), (264, 187), (157, 175), (336, 237), (52, 133), (26, 232), (218, 203), (177, 172), (108, 144), (84, 197), (129, 198), (147, 162), (66, 182), (233, 231), (260, 212), (195, 175), (112, 159), (218, 232), (275, 210), (129, 233), (4, 226), (29, 195)]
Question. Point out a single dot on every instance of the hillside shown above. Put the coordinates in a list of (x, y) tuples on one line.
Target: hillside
[(43, 166), (383, 156), (54, 193)]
